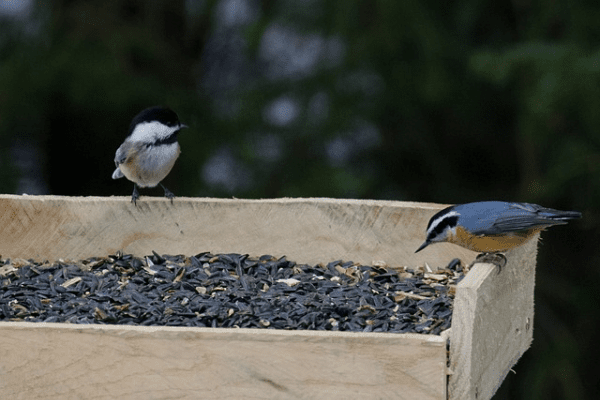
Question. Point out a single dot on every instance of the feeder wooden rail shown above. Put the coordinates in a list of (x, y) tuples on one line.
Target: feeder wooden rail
[(491, 326)]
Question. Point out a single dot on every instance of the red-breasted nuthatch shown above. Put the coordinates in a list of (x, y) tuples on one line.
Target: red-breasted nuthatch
[(149, 152), (492, 226)]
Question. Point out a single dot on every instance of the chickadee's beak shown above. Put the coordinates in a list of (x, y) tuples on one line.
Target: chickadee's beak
[(181, 126), (427, 243)]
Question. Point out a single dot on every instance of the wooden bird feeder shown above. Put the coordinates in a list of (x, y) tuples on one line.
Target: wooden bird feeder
[(491, 326)]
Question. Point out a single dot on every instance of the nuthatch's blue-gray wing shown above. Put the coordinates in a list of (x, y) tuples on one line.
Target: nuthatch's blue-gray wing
[(514, 217)]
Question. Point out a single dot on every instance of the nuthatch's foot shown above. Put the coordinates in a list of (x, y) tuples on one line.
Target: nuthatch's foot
[(498, 259), (135, 195), (168, 193)]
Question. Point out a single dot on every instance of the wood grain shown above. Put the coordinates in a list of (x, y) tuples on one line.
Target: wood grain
[(41, 361), (305, 230), (491, 328), (492, 323)]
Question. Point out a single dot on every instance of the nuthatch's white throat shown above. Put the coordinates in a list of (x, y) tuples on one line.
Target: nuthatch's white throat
[(149, 152), (492, 226)]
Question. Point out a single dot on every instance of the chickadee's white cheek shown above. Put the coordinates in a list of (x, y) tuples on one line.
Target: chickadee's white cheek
[(148, 132)]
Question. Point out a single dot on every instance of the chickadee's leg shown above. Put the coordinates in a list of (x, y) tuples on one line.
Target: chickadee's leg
[(135, 195), (497, 259), (168, 193)]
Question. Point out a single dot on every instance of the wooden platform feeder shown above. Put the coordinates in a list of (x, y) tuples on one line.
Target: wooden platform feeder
[(491, 327)]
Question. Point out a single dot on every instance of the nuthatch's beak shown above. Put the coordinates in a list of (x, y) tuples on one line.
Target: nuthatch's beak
[(427, 243), (181, 126)]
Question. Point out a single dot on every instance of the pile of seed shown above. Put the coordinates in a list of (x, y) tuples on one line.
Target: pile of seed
[(228, 290)]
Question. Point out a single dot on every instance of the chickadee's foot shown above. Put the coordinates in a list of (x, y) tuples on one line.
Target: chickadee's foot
[(135, 195), (168, 193), (497, 259)]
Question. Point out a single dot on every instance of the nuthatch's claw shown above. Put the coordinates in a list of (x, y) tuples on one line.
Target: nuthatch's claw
[(497, 259)]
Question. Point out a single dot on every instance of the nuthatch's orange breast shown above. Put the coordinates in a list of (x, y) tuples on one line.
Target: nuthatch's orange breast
[(490, 243)]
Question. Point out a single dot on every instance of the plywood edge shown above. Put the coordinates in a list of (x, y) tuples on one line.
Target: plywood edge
[(151, 199), (252, 334), (304, 230), (103, 361), (492, 324)]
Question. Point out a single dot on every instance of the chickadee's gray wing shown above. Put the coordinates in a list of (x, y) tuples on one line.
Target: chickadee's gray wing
[(122, 153), (117, 173), (121, 157)]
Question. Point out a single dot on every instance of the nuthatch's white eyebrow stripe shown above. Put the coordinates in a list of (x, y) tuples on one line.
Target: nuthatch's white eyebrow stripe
[(439, 219)]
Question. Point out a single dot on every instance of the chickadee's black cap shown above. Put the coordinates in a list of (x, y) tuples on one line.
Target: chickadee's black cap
[(164, 115)]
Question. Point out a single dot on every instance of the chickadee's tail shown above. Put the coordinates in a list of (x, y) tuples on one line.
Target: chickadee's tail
[(117, 174)]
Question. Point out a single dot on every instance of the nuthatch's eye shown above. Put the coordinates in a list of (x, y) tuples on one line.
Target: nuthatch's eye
[(448, 222), (447, 218)]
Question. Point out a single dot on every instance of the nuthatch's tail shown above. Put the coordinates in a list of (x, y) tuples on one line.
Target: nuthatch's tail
[(560, 216)]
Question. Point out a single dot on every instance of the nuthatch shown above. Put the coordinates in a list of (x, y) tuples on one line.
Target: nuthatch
[(149, 152), (492, 226)]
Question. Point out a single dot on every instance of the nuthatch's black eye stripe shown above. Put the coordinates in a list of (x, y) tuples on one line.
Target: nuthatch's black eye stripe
[(450, 222), (440, 215)]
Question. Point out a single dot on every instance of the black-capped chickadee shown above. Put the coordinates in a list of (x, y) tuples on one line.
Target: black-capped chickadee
[(149, 152)]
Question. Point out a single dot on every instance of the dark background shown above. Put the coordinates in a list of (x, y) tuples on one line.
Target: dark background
[(437, 101)]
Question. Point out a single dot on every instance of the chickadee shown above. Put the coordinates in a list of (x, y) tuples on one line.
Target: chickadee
[(149, 152)]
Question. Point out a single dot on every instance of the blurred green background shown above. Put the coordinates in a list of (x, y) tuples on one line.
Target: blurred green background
[(445, 102)]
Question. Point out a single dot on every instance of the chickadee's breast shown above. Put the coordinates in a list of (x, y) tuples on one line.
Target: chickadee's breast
[(147, 165)]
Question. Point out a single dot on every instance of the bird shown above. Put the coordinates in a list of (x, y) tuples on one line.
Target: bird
[(492, 227), (150, 150)]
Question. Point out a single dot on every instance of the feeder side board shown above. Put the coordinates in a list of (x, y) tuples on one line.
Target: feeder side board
[(492, 324), (110, 362), (304, 230)]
